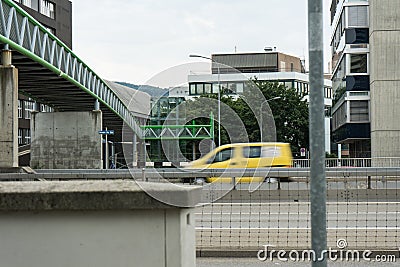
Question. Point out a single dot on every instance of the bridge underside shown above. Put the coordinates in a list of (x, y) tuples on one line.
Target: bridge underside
[(46, 87)]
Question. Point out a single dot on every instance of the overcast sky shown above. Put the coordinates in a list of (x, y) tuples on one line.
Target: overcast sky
[(133, 40)]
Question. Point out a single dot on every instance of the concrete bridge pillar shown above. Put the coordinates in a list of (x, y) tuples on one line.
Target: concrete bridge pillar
[(8, 113), (66, 140)]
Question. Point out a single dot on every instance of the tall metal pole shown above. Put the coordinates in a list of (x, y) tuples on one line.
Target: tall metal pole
[(317, 132), (219, 104), (107, 159)]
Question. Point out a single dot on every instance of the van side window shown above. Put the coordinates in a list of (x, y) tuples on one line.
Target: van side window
[(251, 152), (223, 155)]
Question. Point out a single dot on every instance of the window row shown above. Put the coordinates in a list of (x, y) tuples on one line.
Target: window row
[(45, 7), (301, 87), (24, 136), (25, 108), (351, 111)]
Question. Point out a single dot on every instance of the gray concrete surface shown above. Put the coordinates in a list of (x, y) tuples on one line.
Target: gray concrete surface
[(95, 223), (66, 140), (8, 117), (384, 77)]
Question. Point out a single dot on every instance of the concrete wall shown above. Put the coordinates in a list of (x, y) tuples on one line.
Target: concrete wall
[(385, 77), (66, 140), (101, 223), (8, 117)]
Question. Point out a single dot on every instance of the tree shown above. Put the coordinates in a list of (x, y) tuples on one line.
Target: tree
[(290, 114)]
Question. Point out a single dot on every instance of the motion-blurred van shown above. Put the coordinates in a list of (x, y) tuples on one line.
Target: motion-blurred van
[(244, 155)]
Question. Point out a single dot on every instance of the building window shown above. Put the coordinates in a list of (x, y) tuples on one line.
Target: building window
[(27, 136), (357, 16), (19, 109), (200, 88), (28, 109), (192, 89), (359, 111), (47, 8), (358, 63), (207, 88), (239, 88), (20, 136), (27, 3)]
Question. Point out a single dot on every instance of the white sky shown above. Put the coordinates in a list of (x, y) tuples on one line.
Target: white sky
[(133, 40)]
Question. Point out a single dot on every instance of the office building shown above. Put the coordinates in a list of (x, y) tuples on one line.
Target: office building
[(264, 66), (366, 77)]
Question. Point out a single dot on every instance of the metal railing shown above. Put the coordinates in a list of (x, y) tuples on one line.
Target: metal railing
[(352, 162), (23, 33)]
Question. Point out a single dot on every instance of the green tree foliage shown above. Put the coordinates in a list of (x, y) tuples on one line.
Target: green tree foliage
[(290, 114)]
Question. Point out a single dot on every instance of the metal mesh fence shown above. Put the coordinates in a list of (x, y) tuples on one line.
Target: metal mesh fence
[(363, 213)]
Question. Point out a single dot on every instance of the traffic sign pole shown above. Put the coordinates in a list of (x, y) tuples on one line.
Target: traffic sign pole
[(107, 159)]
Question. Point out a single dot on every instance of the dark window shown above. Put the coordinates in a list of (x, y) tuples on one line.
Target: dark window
[(358, 63), (252, 152), (357, 36), (223, 155)]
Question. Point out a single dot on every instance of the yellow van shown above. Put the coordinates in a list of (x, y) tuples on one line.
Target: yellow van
[(245, 155)]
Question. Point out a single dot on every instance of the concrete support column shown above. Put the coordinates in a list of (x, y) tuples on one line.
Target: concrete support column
[(385, 79), (8, 113), (66, 140)]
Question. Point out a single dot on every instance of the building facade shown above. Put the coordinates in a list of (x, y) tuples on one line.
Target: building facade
[(364, 42), (266, 66), (56, 16), (351, 121)]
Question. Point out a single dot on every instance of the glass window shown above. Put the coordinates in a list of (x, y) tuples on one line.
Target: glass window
[(200, 88), (252, 152), (192, 89), (270, 152), (28, 109), (358, 63), (207, 88), (19, 109), (231, 88), (223, 155), (239, 88), (215, 88), (19, 136), (357, 16), (47, 8), (27, 136), (359, 110)]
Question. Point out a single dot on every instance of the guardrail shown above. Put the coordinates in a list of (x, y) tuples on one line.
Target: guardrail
[(300, 174)]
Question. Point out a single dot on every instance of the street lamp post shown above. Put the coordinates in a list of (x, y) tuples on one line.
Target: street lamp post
[(265, 101), (219, 95)]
